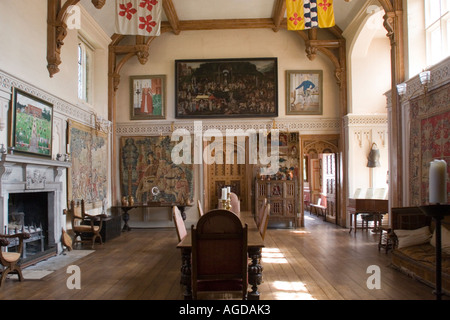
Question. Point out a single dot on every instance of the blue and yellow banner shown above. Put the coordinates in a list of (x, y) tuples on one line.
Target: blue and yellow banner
[(307, 14)]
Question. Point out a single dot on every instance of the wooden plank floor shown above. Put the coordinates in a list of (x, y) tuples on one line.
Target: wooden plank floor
[(320, 261)]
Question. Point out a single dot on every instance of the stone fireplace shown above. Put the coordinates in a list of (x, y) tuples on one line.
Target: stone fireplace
[(32, 199)]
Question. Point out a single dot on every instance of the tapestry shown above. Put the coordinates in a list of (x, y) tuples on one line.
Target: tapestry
[(146, 163), (88, 175), (430, 139)]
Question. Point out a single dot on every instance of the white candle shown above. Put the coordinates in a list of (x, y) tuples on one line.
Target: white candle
[(224, 193), (438, 182), (228, 191)]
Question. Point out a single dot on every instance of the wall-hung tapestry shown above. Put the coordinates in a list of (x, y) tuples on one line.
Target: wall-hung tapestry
[(146, 163), (88, 175), (226, 88), (430, 139)]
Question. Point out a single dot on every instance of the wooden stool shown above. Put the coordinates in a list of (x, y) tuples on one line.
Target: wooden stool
[(385, 239)]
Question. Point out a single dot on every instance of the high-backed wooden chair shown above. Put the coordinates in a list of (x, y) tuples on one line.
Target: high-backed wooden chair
[(179, 223), (10, 260), (86, 227), (219, 253), (261, 210), (235, 203), (264, 221), (200, 209)]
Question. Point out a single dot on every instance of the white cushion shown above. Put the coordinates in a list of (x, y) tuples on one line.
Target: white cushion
[(408, 238), (445, 240)]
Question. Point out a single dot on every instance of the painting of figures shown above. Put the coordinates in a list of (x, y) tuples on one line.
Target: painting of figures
[(32, 124), (304, 92), (89, 172), (228, 88), (148, 97), (146, 163)]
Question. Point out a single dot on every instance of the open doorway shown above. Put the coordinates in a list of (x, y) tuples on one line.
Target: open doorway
[(319, 175)]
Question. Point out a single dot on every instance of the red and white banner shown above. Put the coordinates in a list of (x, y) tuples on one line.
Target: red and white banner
[(138, 17)]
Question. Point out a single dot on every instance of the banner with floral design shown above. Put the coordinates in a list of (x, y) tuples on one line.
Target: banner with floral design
[(138, 17)]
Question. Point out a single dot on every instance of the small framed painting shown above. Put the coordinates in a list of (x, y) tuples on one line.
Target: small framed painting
[(304, 92), (32, 122), (148, 97)]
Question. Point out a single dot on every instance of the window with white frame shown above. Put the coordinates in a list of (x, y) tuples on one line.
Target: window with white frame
[(85, 54), (437, 27)]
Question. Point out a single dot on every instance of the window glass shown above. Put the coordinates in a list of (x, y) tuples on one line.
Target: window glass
[(85, 54), (432, 11), (437, 17)]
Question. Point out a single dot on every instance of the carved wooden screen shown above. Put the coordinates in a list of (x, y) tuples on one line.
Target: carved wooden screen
[(227, 174)]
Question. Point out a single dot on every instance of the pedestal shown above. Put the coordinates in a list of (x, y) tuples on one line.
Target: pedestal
[(437, 212)]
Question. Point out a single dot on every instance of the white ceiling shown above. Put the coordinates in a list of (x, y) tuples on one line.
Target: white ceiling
[(220, 9)]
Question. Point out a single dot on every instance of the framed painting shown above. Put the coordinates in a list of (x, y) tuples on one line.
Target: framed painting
[(148, 97), (304, 92), (32, 122), (226, 88)]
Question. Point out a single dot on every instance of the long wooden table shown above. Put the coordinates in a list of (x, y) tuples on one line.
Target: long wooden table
[(255, 243)]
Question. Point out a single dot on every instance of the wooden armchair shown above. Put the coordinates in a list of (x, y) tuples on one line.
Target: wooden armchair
[(219, 253), (86, 227), (10, 260)]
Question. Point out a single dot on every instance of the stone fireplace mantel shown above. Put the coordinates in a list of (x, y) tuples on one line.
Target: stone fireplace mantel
[(25, 174)]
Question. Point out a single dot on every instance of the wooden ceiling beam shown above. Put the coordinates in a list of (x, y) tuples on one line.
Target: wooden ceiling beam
[(278, 13), (220, 24), (172, 16)]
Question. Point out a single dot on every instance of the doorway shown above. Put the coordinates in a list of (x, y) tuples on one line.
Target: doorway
[(319, 175), (232, 172)]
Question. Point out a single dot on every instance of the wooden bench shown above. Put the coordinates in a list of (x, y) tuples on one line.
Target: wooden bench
[(318, 209)]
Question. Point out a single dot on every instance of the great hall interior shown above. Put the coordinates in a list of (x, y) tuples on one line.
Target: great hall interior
[(329, 161)]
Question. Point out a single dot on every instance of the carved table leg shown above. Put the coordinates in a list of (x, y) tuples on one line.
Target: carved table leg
[(126, 217), (186, 273), (254, 272)]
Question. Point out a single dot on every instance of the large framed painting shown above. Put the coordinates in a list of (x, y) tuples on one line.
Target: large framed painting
[(226, 88), (88, 175), (148, 97), (32, 121), (149, 174), (304, 92)]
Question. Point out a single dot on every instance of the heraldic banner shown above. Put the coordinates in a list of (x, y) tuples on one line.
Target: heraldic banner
[(309, 14), (138, 17)]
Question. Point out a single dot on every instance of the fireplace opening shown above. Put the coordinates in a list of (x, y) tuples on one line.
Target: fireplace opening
[(29, 212)]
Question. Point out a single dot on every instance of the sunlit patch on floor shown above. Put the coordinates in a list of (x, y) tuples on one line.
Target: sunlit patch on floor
[(295, 290), (300, 231), (272, 255)]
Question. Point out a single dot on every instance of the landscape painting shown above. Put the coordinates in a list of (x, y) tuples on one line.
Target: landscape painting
[(32, 124)]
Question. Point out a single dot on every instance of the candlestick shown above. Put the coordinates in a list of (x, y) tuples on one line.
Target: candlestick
[(438, 182), (224, 193)]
